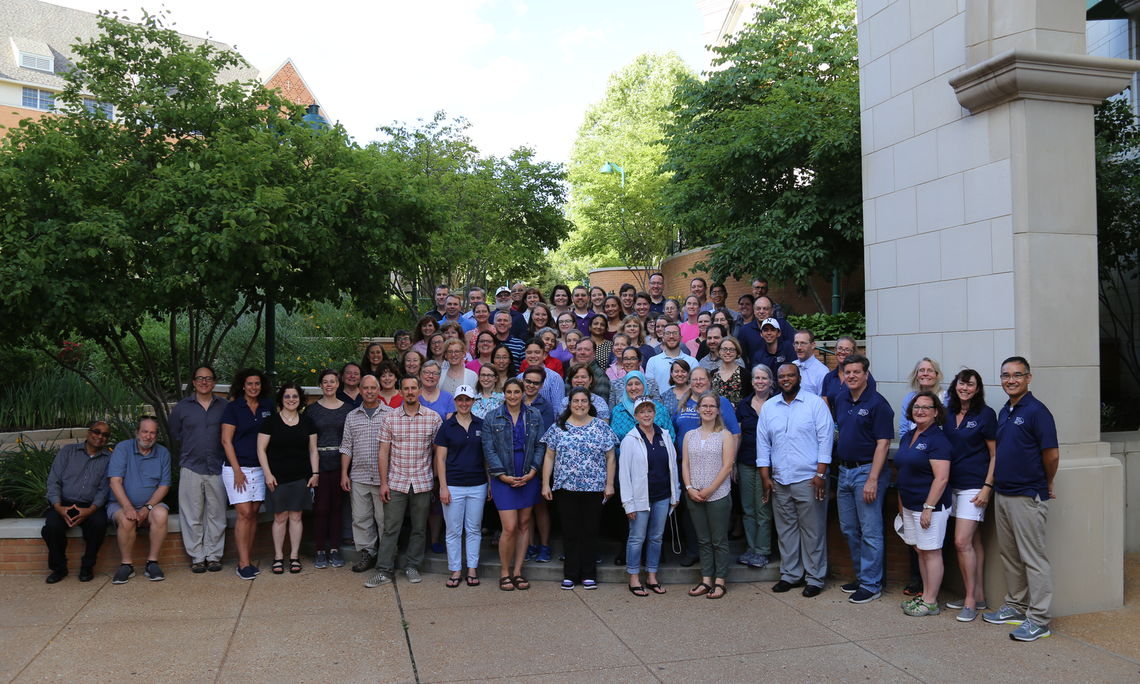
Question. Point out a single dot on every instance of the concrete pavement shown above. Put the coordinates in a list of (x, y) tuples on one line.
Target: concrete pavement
[(323, 625)]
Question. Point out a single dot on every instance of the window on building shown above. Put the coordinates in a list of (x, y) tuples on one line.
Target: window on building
[(34, 98), (92, 105)]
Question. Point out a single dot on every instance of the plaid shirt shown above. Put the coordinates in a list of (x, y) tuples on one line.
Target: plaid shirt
[(359, 444), (411, 437)]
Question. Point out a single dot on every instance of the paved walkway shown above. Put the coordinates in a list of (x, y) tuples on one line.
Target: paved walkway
[(325, 626)]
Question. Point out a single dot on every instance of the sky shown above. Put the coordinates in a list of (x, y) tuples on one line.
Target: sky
[(522, 72)]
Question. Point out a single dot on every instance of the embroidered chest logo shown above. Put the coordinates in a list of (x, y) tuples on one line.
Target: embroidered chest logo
[(921, 446), (1019, 421), (863, 412), (971, 424)]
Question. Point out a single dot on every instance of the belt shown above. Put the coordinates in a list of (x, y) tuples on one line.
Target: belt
[(853, 464)]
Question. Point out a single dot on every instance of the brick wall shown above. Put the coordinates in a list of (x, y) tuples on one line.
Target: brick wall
[(29, 556)]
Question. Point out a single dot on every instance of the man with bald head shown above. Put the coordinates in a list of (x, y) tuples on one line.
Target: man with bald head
[(360, 472), (139, 475), (77, 491)]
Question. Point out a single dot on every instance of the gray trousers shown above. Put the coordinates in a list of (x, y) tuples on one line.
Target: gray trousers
[(801, 526), (417, 507), (757, 517), (367, 516), (1021, 545), (202, 505)]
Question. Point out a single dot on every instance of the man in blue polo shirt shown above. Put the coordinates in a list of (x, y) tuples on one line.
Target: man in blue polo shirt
[(833, 384), (1026, 463), (773, 352), (139, 474), (866, 426)]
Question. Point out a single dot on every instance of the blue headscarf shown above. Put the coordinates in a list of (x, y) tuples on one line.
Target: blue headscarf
[(625, 400)]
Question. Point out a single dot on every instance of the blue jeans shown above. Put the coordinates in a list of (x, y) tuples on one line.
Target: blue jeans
[(464, 514), (862, 524), (646, 529)]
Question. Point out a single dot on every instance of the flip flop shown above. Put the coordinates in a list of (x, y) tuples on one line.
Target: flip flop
[(700, 590), (713, 592), (472, 580), (453, 582), (655, 588), (638, 590)]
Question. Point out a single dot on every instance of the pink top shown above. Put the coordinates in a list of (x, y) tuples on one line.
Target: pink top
[(706, 456), (689, 331)]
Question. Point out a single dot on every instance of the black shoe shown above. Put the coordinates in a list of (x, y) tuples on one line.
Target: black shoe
[(783, 586), (86, 574), (811, 591), (214, 566), (366, 562), (55, 576)]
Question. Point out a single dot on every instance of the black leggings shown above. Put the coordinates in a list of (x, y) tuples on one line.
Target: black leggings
[(327, 510), (579, 512)]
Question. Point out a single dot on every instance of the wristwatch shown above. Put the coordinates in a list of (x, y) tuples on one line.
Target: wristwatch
[(928, 507), (817, 475), (150, 507)]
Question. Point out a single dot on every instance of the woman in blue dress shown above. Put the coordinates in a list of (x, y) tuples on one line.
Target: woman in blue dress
[(514, 455), (580, 468)]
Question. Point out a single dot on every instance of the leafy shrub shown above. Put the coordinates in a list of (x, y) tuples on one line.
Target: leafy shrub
[(54, 397), (831, 326), (23, 477)]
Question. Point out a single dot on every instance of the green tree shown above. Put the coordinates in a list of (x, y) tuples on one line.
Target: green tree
[(497, 215), (616, 224), (765, 153), (199, 201), (1118, 228)]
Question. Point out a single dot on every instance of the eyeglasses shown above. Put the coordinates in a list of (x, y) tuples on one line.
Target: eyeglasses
[(528, 381), (203, 378), (921, 408), (100, 433), (1013, 376)]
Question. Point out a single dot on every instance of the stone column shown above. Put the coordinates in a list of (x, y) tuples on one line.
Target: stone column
[(980, 233)]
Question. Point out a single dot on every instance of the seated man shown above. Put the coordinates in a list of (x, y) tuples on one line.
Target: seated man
[(139, 474), (77, 492)]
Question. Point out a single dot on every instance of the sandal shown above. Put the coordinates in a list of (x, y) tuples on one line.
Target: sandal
[(472, 580), (723, 589), (700, 590), (453, 581), (638, 590), (521, 583), (278, 567), (506, 583), (655, 588), (294, 566)]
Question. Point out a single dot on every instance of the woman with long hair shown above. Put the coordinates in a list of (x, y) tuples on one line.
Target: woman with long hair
[(678, 389), (559, 300), (707, 455), (513, 450), (728, 380), (425, 328), (327, 414), (481, 312), (603, 346), (287, 451), (242, 473), (972, 430), (611, 309), (503, 363), (484, 345), (597, 300), (697, 347), (370, 362), (540, 317), (579, 469), (436, 344), (579, 375)]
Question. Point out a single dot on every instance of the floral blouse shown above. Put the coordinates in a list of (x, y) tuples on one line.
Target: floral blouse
[(484, 405), (580, 455), (731, 389)]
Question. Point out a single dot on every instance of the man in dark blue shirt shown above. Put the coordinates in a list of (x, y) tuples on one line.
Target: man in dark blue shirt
[(833, 384), (1026, 463), (77, 491), (866, 426), (772, 352)]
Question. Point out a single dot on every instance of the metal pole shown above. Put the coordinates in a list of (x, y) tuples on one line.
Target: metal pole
[(835, 302), (270, 337)]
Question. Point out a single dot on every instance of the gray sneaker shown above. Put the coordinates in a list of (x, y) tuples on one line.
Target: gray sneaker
[(321, 561), (335, 559), (1029, 631), (961, 603), (379, 578), (124, 573), (967, 614), (1005, 615), (759, 560), (153, 572), (744, 558), (413, 575)]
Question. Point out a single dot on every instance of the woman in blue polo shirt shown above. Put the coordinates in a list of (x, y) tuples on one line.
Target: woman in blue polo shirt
[(972, 431), (241, 473), (462, 485), (923, 462)]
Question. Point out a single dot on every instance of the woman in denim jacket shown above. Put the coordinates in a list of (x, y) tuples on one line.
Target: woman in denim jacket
[(514, 457)]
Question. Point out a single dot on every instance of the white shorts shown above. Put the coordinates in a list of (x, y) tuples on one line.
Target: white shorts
[(254, 485), (926, 540), (960, 506)]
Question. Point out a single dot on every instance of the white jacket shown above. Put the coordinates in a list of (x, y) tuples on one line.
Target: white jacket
[(633, 472)]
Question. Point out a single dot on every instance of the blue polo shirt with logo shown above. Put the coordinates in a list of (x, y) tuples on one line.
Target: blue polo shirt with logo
[(971, 459), (861, 424), (464, 462), (915, 473), (1023, 432)]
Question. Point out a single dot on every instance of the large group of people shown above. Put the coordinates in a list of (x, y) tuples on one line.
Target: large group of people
[(570, 409)]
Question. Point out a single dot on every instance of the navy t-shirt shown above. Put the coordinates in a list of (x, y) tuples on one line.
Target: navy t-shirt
[(747, 417), (915, 473), (861, 424), (245, 424), (657, 461), (464, 462), (783, 354), (971, 459), (1023, 432)]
